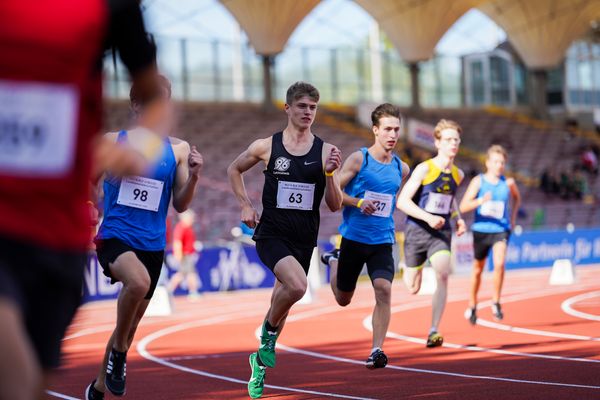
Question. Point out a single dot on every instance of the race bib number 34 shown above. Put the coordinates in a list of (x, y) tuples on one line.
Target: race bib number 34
[(38, 128), (438, 203), (295, 195), (382, 201), (140, 192)]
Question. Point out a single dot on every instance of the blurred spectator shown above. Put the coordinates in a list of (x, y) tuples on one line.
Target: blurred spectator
[(579, 183), (548, 182), (185, 255), (589, 160), (565, 185), (539, 218)]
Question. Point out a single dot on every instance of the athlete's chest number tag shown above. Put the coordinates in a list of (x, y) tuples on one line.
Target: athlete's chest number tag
[(38, 128), (382, 202), (438, 203), (295, 195), (493, 209), (140, 192)]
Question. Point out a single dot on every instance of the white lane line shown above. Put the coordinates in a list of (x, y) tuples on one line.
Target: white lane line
[(367, 323), (111, 326), (434, 372), (536, 332), (60, 395), (567, 306), (143, 344), (418, 370)]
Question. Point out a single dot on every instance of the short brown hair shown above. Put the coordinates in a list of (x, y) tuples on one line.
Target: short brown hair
[(385, 110), (445, 124), (299, 90), (143, 95), (496, 148)]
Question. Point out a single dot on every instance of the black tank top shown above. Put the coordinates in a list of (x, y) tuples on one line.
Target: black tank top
[(293, 190)]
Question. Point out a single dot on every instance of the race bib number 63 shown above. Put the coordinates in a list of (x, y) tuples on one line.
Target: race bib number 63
[(295, 195)]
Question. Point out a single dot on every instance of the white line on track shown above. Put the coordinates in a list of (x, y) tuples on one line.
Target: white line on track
[(428, 371), (567, 306), (434, 372), (60, 395), (142, 349), (518, 297), (300, 316)]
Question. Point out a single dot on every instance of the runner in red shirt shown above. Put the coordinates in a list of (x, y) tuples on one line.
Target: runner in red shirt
[(50, 110), (185, 254)]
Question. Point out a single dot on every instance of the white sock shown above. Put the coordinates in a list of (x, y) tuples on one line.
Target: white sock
[(374, 349), (433, 329)]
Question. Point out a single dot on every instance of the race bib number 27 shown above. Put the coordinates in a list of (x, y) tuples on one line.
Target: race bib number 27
[(383, 203)]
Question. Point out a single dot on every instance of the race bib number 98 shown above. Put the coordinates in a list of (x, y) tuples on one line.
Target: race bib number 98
[(295, 195), (140, 192), (438, 203), (38, 128), (382, 202)]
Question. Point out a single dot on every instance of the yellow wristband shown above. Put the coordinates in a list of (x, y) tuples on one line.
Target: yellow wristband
[(329, 173), (359, 203)]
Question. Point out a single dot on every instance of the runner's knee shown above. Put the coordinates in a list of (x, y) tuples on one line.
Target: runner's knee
[(383, 290)]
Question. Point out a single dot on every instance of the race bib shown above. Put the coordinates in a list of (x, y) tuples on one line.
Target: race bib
[(492, 209), (140, 192), (295, 195), (383, 203), (438, 203), (38, 128)]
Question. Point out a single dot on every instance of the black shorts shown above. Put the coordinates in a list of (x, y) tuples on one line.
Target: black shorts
[(353, 255), (420, 244), (483, 242), (270, 251), (45, 285), (109, 249)]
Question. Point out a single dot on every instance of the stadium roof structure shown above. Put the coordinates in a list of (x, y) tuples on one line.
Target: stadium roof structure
[(540, 30), (269, 23)]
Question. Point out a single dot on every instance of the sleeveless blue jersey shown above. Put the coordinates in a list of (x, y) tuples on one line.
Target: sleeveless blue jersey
[(379, 183), (135, 208), (493, 216)]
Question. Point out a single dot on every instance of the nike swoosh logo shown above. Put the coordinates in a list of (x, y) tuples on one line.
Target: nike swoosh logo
[(308, 163)]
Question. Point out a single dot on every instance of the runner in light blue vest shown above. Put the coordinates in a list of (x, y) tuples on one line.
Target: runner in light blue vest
[(371, 179), (491, 195), (131, 240)]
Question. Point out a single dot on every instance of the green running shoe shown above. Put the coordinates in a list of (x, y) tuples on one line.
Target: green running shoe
[(256, 383), (266, 351)]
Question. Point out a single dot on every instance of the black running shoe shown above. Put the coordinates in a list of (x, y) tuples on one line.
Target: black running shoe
[(377, 359), (434, 340), (471, 315), (115, 372), (91, 393), (330, 255), (497, 311)]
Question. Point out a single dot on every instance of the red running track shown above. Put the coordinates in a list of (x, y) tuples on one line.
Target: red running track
[(539, 351)]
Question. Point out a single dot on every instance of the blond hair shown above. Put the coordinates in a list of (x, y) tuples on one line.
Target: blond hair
[(445, 124), (496, 148)]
